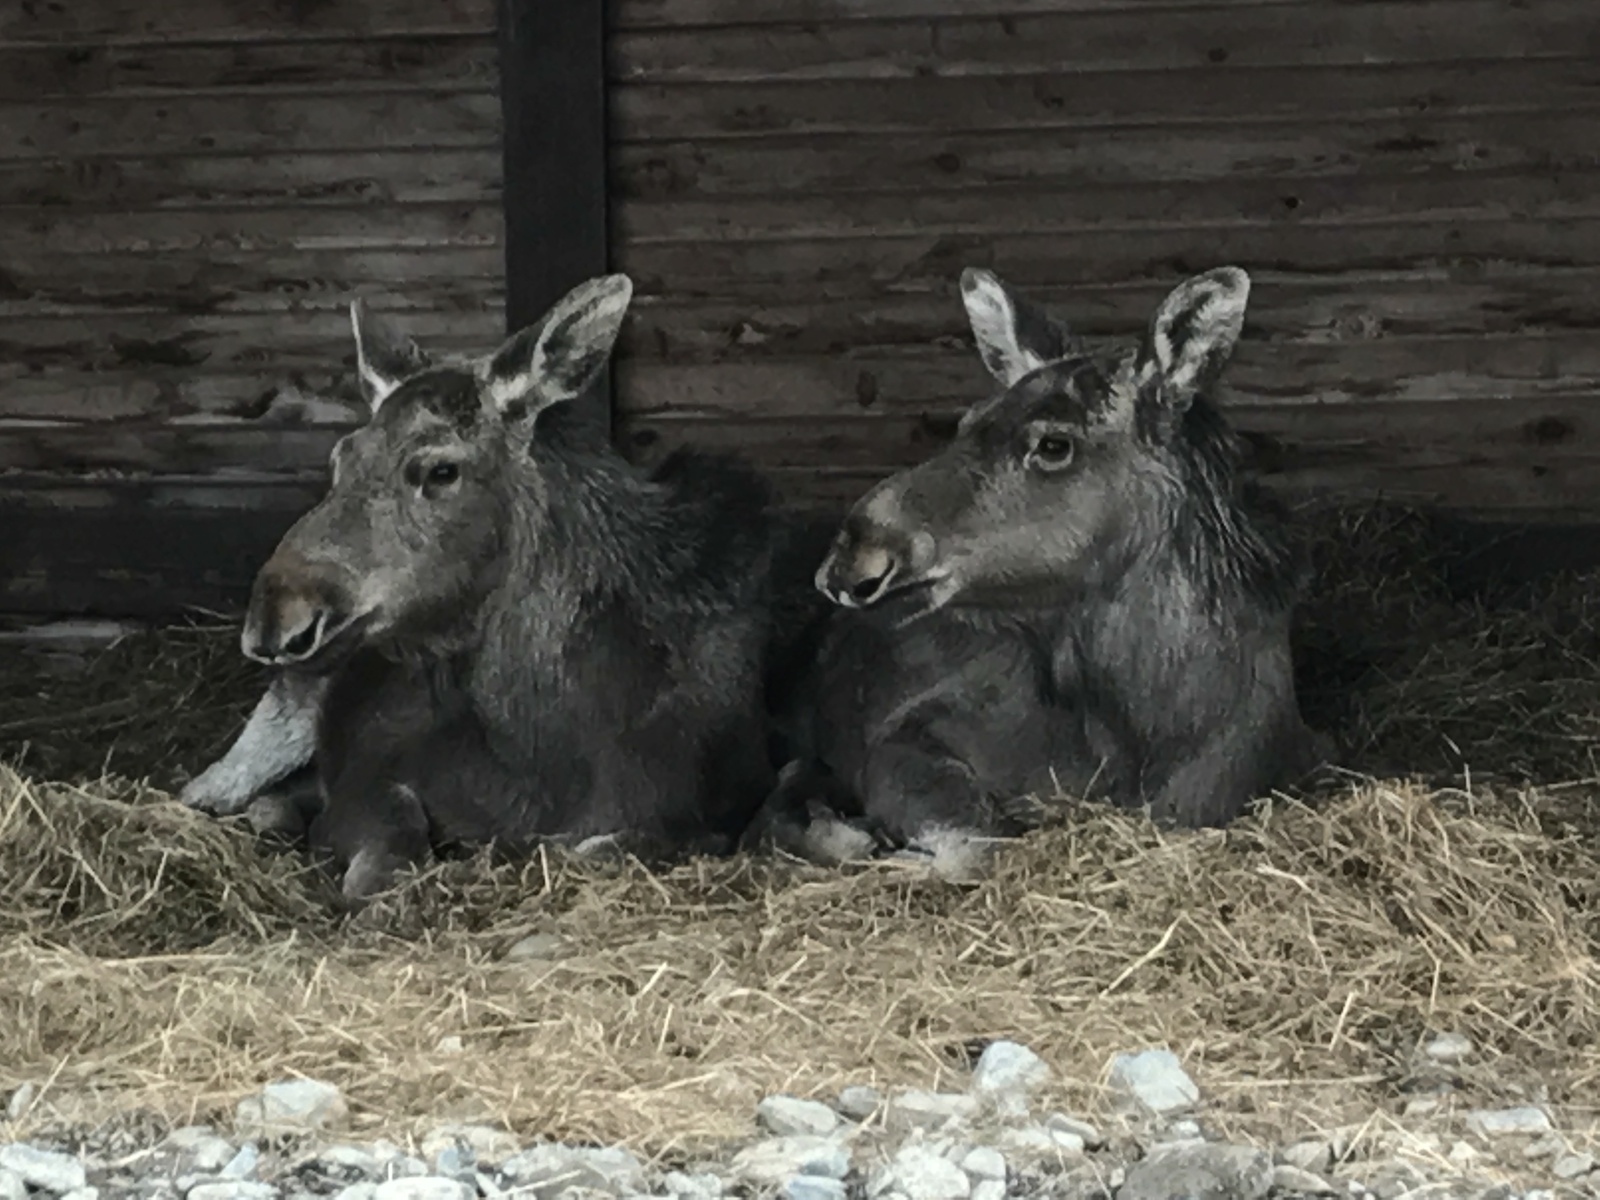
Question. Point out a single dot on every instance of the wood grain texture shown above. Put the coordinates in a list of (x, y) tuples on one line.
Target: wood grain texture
[(1378, 31), (125, 22), (1090, 99), (185, 71)]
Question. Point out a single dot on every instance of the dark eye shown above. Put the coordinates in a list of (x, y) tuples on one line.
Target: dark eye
[(443, 474), (1053, 450)]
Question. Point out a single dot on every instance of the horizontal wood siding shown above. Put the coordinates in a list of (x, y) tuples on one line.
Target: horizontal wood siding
[(1414, 186), (190, 195)]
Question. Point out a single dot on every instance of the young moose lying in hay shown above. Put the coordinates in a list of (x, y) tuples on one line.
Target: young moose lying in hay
[(1077, 593), (498, 633)]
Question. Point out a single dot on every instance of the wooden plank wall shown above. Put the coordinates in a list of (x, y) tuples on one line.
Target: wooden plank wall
[(1412, 183), (190, 193)]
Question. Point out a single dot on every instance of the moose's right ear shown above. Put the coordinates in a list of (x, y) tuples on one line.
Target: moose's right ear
[(557, 359), (385, 355), (1014, 335)]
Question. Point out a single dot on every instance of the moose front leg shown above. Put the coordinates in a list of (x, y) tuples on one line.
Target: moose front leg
[(930, 800), (279, 738)]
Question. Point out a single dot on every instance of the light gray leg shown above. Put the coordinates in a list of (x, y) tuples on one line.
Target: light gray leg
[(279, 738)]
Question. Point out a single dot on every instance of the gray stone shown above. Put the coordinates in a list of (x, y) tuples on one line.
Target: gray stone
[(786, 1115), (858, 1103), (1007, 1074), (209, 1153), (243, 1164), (425, 1188), (487, 1143), (1156, 1080), (357, 1191), (1547, 1146), (12, 1187), (929, 1111), (43, 1169), (187, 1137), (353, 1158), (989, 1189), (1421, 1106), (774, 1160), (919, 1172), (290, 1106), (704, 1186), (1573, 1166), (1035, 1142), (538, 947), (1204, 1171), (1449, 1048), (1086, 1133), (1298, 1182), (1499, 1122), (1394, 1180), (83, 1193), (21, 1101), (985, 1162), (1313, 1156), (232, 1189), (456, 1161), (551, 1169), (813, 1187)]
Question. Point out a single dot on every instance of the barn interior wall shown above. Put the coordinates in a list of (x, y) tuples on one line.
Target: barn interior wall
[(797, 185), (191, 193)]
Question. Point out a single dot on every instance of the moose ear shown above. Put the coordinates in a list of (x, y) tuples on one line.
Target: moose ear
[(385, 355), (1194, 333), (557, 359), (1014, 335)]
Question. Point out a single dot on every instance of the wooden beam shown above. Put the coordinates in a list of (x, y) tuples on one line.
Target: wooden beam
[(553, 100)]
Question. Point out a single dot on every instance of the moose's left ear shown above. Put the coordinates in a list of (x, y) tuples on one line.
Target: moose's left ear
[(1194, 333), (559, 357), (1013, 334)]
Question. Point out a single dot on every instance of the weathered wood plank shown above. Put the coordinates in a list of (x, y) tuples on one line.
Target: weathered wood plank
[(121, 22), (836, 166), (1377, 31), (679, 14), (255, 180), (1496, 454), (232, 280), (1086, 99), (1282, 309), (461, 61), (834, 396), (937, 379), (133, 551), (250, 124), (202, 231), (1423, 198), (831, 269)]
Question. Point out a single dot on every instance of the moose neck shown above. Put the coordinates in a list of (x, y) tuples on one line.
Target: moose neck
[(577, 549)]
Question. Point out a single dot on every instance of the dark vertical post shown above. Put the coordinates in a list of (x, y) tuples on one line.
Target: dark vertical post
[(553, 104)]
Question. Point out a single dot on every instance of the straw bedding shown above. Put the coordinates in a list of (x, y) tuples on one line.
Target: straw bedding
[(156, 961)]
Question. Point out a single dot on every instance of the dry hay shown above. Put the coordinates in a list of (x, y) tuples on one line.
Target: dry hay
[(157, 960)]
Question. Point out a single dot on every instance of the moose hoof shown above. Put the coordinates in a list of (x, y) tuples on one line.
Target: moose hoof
[(219, 793), (957, 855)]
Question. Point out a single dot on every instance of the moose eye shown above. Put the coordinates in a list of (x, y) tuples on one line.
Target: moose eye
[(1052, 451), (443, 474)]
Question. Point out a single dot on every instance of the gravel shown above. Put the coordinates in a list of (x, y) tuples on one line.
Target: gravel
[(981, 1144)]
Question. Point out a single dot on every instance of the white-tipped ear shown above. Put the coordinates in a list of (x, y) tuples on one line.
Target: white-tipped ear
[(1194, 333), (559, 357), (1014, 336), (385, 355)]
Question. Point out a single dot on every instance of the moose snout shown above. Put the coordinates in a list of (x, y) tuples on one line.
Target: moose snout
[(296, 609), (857, 572)]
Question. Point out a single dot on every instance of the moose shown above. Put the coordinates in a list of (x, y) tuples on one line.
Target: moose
[(1078, 592), (492, 630)]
